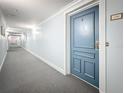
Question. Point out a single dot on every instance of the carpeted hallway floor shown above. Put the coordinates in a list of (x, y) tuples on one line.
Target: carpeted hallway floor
[(24, 73)]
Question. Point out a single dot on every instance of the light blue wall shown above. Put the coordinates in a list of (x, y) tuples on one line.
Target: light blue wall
[(3, 41), (115, 50), (48, 41)]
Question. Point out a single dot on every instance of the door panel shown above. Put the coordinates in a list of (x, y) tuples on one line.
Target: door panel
[(89, 72), (77, 65), (84, 27), (84, 53)]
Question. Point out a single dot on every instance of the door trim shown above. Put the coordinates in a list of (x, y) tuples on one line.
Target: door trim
[(102, 60)]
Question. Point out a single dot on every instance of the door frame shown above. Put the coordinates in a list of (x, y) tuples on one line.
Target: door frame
[(84, 5)]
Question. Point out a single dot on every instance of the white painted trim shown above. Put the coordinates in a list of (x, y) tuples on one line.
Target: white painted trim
[(75, 3), (101, 91), (3, 61), (102, 62), (102, 49), (46, 61)]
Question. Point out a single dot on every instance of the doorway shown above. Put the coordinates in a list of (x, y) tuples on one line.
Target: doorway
[(84, 43)]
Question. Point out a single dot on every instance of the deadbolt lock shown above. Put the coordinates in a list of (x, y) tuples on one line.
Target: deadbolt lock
[(97, 44), (106, 44)]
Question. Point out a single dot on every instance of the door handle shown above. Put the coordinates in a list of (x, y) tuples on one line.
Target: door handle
[(97, 45), (107, 44)]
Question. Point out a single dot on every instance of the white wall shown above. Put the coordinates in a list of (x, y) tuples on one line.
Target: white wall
[(48, 42), (115, 50), (3, 41)]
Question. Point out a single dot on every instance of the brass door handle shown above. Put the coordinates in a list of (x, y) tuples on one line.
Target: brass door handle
[(107, 44), (97, 45)]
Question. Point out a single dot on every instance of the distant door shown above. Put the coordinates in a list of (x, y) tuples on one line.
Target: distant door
[(85, 45)]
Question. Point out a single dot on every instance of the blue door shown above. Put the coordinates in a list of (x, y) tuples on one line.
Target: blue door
[(85, 45)]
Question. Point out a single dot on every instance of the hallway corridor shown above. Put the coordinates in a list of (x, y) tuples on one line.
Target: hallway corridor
[(24, 73)]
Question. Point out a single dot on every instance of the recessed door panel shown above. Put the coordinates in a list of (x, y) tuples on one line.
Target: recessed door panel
[(84, 45), (77, 65), (84, 29), (89, 69)]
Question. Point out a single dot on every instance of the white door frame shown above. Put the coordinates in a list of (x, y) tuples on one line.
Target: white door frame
[(83, 5)]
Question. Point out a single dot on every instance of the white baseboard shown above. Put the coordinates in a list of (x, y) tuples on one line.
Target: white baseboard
[(101, 91), (3, 61), (46, 61)]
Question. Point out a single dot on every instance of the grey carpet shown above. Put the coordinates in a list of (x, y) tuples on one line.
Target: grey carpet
[(24, 73)]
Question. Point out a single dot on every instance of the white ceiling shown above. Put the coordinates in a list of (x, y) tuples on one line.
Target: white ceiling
[(23, 13)]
